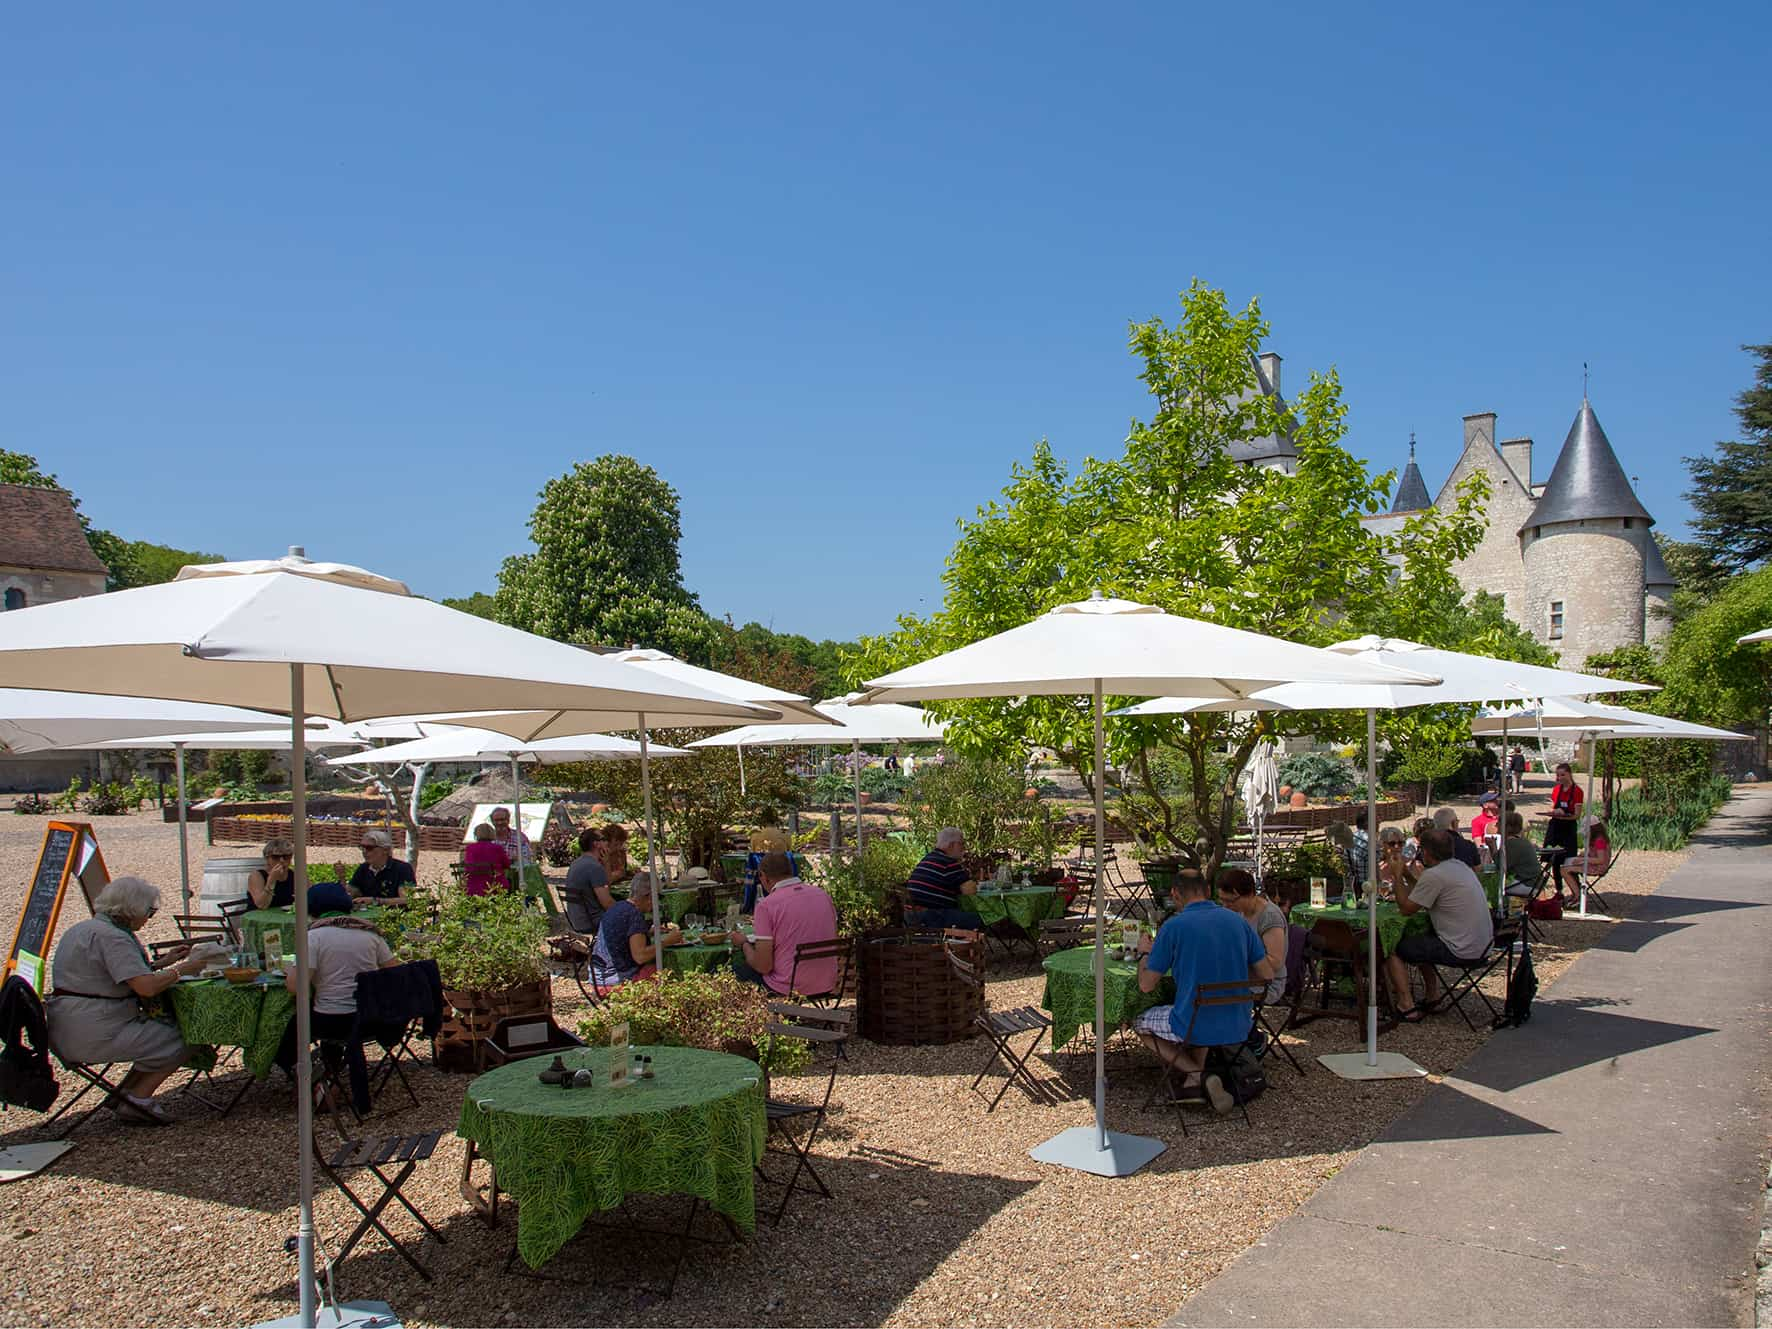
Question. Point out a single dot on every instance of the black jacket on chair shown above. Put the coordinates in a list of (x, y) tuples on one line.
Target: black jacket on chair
[(26, 1079)]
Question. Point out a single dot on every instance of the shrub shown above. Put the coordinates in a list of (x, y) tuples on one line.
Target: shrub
[(880, 783), (481, 943), (861, 902), (1317, 774), (715, 1012), (69, 799), (1304, 862), (559, 845), (32, 805), (986, 799), (435, 791), (106, 800), (1665, 822)]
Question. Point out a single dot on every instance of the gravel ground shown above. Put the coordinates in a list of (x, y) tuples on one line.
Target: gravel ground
[(939, 1216)]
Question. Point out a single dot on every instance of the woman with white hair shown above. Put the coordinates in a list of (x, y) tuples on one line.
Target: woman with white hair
[(624, 949), (101, 976)]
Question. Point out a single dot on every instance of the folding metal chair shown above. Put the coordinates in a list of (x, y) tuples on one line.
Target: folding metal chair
[(230, 912), (203, 927), (1460, 979), (1295, 976), (372, 1155), (1064, 934), (840, 949), (1244, 992), (95, 1077), (1001, 1027), (1583, 885), (823, 1029), (394, 1036)]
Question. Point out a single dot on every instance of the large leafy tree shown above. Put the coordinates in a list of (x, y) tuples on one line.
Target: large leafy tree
[(1174, 520), (606, 570), (1732, 490)]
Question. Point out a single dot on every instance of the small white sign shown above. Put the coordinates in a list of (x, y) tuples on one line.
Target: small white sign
[(618, 1055)]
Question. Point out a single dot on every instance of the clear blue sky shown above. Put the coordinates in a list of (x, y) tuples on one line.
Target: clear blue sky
[(363, 277)]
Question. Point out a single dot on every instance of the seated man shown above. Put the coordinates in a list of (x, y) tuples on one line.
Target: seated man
[(1457, 911), (790, 915), (1200, 943), (1485, 822), (586, 893), (1446, 819), (381, 876), (623, 951), (937, 883)]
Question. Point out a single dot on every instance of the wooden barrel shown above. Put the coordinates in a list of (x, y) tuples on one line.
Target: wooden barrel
[(224, 879), (908, 993)]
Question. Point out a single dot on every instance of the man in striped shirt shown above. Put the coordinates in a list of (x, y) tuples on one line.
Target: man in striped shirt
[(935, 885)]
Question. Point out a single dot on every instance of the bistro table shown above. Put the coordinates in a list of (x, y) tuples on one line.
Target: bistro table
[(254, 923), (696, 1128), (250, 1016), (1070, 993), (1393, 923), (1024, 906), (697, 958)]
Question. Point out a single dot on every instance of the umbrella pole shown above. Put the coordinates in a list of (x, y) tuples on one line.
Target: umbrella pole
[(304, 1069), (517, 817), (857, 773), (1587, 840), (741, 788), (1101, 1134), (651, 846), (184, 848), (1371, 886), (1501, 858)]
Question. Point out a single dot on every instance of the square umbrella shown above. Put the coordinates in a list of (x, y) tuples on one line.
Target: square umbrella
[(326, 639), (1102, 646)]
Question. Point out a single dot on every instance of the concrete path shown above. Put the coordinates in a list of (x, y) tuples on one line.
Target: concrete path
[(1601, 1166)]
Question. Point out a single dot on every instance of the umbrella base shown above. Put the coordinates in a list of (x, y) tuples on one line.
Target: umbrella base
[(349, 1315), (1080, 1148), (1391, 1066), (1589, 918)]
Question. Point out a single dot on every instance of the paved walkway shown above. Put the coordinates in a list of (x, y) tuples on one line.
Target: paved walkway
[(1601, 1166)]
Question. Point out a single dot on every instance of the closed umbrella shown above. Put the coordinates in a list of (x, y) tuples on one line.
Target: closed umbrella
[(1261, 790), (1101, 646), (307, 638)]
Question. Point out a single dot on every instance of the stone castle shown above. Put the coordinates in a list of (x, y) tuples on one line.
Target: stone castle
[(1572, 556)]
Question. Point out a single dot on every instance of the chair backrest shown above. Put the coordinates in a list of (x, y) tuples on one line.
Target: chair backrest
[(840, 949), (965, 970), (1296, 938), (829, 1030), (401, 993), (1241, 992), (1337, 938), (202, 927), (1068, 931)]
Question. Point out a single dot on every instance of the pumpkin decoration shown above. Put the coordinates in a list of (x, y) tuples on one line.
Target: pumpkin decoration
[(1299, 800)]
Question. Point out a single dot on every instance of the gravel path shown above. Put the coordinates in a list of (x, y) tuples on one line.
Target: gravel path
[(939, 1216)]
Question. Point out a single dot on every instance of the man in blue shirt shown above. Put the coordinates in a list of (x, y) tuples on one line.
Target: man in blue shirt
[(1202, 942)]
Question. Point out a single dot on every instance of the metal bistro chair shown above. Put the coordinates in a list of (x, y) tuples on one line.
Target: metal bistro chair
[(1269, 1037), (231, 912), (1459, 980), (826, 1029), (840, 949), (1064, 934), (371, 1154), (1243, 992), (1001, 1027)]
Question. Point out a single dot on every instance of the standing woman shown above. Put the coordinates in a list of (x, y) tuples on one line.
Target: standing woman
[(1565, 816), (101, 977)]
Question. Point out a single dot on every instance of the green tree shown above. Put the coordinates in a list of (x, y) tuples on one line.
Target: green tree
[(479, 604), (606, 570), (152, 564), (1732, 490), (20, 468), (822, 658), (1711, 677), (1174, 520)]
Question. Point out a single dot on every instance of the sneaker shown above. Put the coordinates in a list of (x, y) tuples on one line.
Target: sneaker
[(139, 1111), (1218, 1095)]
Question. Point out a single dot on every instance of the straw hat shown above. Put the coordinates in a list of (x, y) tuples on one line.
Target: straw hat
[(769, 840), (696, 876)]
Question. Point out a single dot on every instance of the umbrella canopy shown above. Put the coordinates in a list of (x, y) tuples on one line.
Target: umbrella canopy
[(1764, 634), (1261, 779), (34, 720), (464, 744), (1200, 705), (1129, 650), (1094, 647), (791, 704), (1575, 713), (244, 740), (842, 721)]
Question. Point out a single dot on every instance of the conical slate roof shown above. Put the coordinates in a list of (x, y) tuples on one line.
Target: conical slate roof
[(1412, 495), (1587, 482), (1655, 570)]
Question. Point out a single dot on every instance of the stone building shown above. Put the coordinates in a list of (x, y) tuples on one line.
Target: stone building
[(44, 556)]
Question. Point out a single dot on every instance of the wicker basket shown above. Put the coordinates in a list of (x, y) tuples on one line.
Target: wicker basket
[(908, 993), (473, 1017)]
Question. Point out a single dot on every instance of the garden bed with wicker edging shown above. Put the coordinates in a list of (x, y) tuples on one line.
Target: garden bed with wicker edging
[(1392, 809), (328, 834)]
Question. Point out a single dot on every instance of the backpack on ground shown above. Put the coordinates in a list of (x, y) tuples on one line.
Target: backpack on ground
[(1521, 988), (26, 1078), (1241, 1071)]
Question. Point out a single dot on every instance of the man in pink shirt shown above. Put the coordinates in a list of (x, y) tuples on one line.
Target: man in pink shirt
[(790, 915)]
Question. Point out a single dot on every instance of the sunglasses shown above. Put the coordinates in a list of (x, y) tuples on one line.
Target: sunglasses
[(280, 858), (367, 847)]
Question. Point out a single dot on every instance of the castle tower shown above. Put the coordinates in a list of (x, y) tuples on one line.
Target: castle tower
[(1274, 452), (1658, 592), (1412, 495), (1583, 550)]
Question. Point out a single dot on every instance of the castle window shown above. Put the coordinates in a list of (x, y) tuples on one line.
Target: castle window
[(1556, 619), (15, 598)]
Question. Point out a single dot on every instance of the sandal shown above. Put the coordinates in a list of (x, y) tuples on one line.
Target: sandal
[(1414, 1015)]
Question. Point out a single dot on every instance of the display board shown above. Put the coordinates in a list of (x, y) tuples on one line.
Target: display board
[(70, 853)]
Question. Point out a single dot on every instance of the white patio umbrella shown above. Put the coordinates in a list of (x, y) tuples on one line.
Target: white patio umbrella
[(38, 720), (323, 639), (1764, 634), (1463, 679), (245, 740), (843, 718), (1101, 646), (1261, 790)]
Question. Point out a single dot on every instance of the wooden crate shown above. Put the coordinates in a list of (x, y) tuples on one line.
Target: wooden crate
[(472, 1018)]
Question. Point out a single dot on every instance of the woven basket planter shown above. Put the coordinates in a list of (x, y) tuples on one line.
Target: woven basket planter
[(473, 1017), (908, 993)]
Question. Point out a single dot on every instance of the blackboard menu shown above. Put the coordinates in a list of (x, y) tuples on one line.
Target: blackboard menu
[(69, 851)]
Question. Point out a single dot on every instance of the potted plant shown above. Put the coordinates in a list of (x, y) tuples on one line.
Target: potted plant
[(490, 955), (715, 1012)]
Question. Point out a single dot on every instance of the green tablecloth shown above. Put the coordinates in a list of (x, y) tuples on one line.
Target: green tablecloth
[(1393, 923), (697, 1128), (252, 1018), (675, 905), (1023, 906), (698, 959), (1070, 992), (254, 922)]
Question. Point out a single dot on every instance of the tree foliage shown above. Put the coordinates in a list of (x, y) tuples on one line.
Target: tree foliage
[(1174, 520), (823, 660), (606, 569), (479, 604), (1732, 490)]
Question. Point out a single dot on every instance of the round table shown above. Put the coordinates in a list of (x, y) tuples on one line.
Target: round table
[(254, 923), (1393, 923), (696, 1128), (251, 1016), (1025, 906), (1070, 992), (698, 959)]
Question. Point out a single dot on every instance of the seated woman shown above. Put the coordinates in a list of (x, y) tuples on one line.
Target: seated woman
[(486, 862), (273, 885), (615, 853), (101, 975), (1524, 870), (339, 948), (1589, 864), (1392, 856), (622, 951), (1237, 890)]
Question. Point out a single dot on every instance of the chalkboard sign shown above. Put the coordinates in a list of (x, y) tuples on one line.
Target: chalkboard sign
[(70, 851)]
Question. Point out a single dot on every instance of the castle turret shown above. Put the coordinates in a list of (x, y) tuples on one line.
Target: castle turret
[(1275, 450), (1658, 591), (1412, 495), (1583, 547)]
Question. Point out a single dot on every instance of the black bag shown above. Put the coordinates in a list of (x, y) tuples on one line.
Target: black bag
[(1521, 988), (26, 1079), (1241, 1071)]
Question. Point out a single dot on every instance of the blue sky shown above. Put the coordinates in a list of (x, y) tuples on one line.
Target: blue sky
[(364, 277)]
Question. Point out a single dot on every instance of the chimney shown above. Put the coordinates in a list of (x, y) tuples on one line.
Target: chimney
[(1479, 426), (1270, 370), (1517, 453)]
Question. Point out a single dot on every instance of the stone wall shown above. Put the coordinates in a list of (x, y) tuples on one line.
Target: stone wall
[(1596, 569), (41, 588)]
